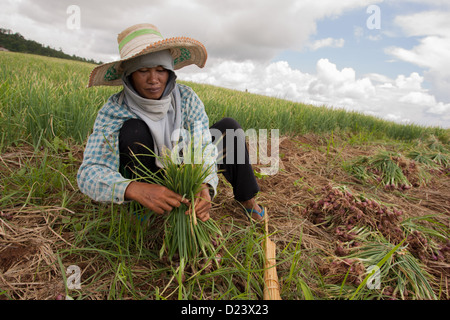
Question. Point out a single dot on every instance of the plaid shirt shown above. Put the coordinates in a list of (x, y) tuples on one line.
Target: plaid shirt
[(99, 177)]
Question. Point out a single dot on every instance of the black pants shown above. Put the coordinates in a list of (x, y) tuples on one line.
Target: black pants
[(235, 166)]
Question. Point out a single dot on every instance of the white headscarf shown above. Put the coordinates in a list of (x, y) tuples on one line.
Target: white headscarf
[(163, 116)]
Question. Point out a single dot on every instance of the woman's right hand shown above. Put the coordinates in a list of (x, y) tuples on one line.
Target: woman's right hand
[(155, 197)]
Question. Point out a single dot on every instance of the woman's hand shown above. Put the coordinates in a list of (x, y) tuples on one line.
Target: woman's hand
[(202, 204), (155, 197)]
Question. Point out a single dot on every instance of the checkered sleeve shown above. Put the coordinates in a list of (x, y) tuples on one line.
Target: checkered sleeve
[(196, 122), (99, 176)]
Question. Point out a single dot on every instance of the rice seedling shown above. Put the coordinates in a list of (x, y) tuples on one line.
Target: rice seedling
[(298, 274), (441, 159), (184, 234), (401, 275), (388, 169), (433, 143), (422, 158), (386, 164), (358, 169), (427, 237)]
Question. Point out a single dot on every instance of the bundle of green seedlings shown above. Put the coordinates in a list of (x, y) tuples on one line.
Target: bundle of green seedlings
[(185, 237), (389, 169), (428, 237), (401, 275), (433, 160)]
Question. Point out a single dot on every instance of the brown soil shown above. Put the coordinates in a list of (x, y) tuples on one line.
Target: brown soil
[(303, 197), (309, 189)]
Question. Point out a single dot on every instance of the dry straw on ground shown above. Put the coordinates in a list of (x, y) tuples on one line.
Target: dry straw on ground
[(31, 236)]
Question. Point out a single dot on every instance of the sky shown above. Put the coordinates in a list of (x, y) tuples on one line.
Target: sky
[(390, 58)]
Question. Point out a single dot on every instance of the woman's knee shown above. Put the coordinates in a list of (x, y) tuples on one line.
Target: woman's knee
[(134, 128), (134, 132), (227, 123)]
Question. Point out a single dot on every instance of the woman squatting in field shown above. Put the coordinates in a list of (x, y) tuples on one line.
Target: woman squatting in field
[(154, 112)]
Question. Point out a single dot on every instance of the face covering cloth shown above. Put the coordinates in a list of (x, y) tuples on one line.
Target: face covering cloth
[(163, 116)]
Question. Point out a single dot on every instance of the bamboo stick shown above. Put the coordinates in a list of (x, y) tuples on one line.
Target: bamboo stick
[(271, 284)]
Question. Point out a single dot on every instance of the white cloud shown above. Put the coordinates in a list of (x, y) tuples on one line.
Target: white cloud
[(413, 82), (328, 42), (339, 85), (230, 29), (441, 109), (419, 98), (425, 23), (358, 32), (433, 49), (377, 37), (402, 99)]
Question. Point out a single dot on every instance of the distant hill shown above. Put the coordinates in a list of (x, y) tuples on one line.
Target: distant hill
[(17, 43)]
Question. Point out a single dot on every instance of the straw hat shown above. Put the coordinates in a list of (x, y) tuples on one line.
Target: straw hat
[(141, 39)]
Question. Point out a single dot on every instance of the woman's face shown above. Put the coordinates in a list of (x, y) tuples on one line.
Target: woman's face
[(150, 82)]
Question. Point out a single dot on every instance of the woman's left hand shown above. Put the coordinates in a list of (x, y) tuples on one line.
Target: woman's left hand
[(202, 204)]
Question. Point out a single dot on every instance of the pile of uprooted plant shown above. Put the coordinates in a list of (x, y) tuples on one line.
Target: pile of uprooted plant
[(333, 224)]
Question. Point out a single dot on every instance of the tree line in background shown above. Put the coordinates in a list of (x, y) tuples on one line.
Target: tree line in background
[(17, 43)]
